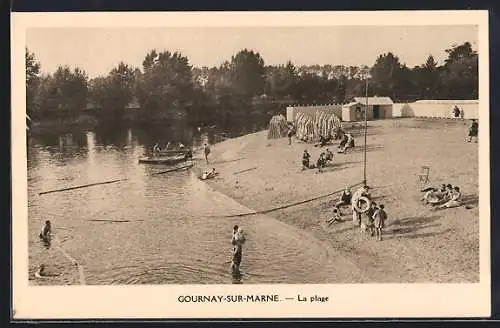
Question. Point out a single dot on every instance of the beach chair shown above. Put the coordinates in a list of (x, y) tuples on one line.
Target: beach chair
[(423, 176)]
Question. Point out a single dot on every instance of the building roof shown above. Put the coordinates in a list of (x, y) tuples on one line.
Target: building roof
[(374, 100), (352, 103), (453, 102)]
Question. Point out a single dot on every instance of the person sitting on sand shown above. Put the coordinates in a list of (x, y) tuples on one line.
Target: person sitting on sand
[(345, 198), (181, 145), (339, 133), (206, 150), (344, 140), (473, 131), (336, 216), (379, 218), (305, 160), (321, 163), (349, 143), (323, 141), (455, 199), (328, 155)]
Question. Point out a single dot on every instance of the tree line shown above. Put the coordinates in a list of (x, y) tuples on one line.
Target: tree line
[(168, 86)]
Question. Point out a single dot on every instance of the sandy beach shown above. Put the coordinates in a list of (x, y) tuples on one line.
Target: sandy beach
[(420, 244)]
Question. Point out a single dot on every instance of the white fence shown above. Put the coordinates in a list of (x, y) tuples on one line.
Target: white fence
[(436, 108)]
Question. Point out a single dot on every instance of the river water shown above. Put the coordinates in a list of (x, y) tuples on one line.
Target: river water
[(165, 234)]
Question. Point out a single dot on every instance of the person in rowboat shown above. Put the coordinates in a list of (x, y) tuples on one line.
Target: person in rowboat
[(156, 148)]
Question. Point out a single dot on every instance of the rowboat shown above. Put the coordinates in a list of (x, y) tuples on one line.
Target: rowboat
[(165, 160), (173, 152)]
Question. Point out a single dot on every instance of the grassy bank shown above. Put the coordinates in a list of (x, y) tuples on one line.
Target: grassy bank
[(420, 244)]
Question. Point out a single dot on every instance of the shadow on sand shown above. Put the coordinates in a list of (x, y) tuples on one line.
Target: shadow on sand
[(408, 227)]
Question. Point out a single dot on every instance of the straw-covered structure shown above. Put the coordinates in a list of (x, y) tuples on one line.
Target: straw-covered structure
[(278, 127), (311, 125)]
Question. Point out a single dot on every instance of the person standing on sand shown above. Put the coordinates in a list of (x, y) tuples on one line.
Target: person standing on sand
[(206, 150), (356, 216), (379, 218), (290, 133), (369, 214), (473, 130)]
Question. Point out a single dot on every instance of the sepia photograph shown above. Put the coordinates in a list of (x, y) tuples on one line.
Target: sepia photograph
[(280, 154)]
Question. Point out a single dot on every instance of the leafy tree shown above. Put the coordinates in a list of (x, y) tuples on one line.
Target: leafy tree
[(427, 79), (63, 92), (459, 75), (32, 79), (247, 73), (115, 91), (281, 80), (166, 85)]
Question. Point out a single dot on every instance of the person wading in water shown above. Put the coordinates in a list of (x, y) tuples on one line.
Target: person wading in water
[(237, 241)]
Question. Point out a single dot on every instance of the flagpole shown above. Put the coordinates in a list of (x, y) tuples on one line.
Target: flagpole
[(366, 125)]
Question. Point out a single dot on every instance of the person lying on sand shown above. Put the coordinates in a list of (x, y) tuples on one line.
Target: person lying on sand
[(441, 196), (379, 218), (454, 201), (212, 174), (337, 216), (305, 160), (41, 273), (434, 194)]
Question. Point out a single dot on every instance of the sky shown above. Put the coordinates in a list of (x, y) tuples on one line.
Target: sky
[(98, 50)]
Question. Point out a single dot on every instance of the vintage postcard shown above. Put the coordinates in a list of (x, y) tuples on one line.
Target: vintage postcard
[(250, 165)]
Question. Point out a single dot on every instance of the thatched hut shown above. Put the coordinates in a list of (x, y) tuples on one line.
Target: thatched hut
[(278, 127), (311, 125)]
